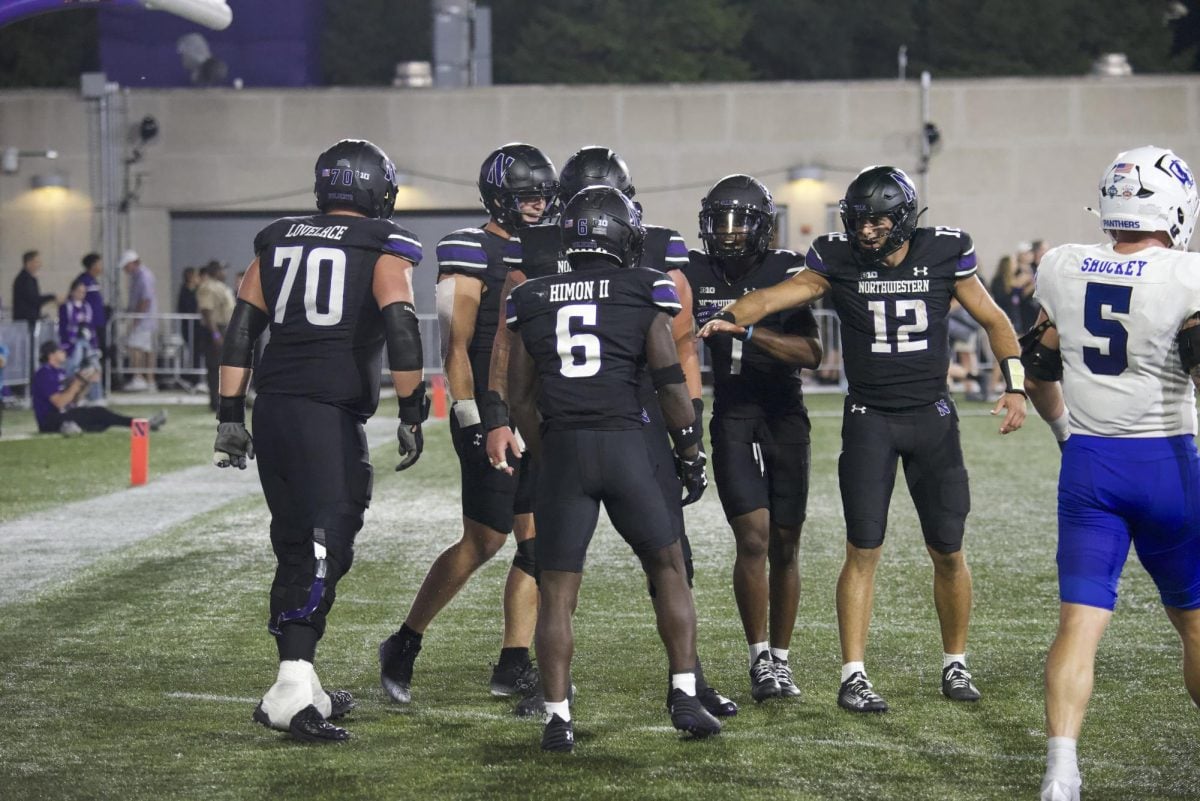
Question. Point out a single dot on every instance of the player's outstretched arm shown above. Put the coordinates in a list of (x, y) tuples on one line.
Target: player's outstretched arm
[(791, 349), (234, 445), (1003, 340), (1043, 372), (804, 287)]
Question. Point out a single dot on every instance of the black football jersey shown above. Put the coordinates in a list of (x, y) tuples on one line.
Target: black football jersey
[(746, 381), (326, 328), (894, 319), (586, 331), (479, 254), (537, 251)]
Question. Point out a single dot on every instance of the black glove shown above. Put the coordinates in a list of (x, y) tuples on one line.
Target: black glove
[(412, 442), (691, 474), (233, 446)]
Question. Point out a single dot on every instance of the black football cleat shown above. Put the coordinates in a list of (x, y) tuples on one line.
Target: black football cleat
[(763, 684), (534, 702), (957, 684), (558, 736), (307, 726), (341, 702), (716, 704), (518, 679), (687, 714), (396, 657), (783, 675), (857, 695)]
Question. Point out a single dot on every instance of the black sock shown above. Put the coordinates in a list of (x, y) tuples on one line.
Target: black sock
[(407, 633), (701, 683), (513, 656)]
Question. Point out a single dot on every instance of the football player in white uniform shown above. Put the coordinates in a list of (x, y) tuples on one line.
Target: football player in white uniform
[(1120, 329)]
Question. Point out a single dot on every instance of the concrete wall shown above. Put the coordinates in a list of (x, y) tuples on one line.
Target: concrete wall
[(1020, 157)]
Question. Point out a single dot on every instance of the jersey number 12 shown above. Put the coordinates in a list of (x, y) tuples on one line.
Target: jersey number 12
[(903, 341)]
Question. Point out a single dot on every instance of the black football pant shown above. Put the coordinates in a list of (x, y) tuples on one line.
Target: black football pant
[(316, 475), (96, 418)]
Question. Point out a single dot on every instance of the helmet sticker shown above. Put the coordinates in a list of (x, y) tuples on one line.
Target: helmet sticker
[(499, 169)]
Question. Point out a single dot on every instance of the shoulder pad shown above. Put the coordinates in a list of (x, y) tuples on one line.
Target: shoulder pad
[(272, 233), (659, 290), (670, 250), (462, 251), (397, 241)]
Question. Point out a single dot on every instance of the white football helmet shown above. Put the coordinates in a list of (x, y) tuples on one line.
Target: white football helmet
[(1150, 189)]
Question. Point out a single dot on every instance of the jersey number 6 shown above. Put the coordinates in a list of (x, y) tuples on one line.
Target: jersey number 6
[(573, 346)]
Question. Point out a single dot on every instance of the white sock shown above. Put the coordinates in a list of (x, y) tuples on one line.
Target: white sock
[(757, 648), (1061, 764), (560, 708), (850, 668), (291, 692), (321, 699), (779, 654), (685, 682), (949, 659)]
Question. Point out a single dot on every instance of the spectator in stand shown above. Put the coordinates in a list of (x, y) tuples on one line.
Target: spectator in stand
[(186, 304), (1027, 307), (77, 334), (215, 301), (140, 341), (55, 394)]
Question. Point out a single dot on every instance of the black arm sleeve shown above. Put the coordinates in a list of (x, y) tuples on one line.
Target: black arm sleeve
[(245, 327), (403, 333), (1040, 362), (1189, 348)]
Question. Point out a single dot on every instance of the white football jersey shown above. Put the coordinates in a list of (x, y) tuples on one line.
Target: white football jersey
[(1117, 316)]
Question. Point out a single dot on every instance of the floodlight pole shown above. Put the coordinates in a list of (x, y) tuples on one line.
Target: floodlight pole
[(106, 117)]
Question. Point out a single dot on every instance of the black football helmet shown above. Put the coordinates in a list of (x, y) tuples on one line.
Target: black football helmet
[(601, 220), (881, 192), (594, 166), (513, 173), (356, 174), (737, 219)]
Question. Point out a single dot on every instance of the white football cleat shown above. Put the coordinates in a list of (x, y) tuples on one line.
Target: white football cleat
[(1060, 790)]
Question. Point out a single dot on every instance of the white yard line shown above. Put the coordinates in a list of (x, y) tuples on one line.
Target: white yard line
[(48, 547)]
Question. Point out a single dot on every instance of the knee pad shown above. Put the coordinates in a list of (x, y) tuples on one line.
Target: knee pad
[(524, 559)]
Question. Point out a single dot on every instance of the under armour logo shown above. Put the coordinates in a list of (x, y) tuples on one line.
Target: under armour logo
[(920, 271), (478, 440), (857, 409), (687, 430)]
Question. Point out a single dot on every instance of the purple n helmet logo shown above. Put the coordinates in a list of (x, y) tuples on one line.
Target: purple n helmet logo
[(910, 191), (499, 169)]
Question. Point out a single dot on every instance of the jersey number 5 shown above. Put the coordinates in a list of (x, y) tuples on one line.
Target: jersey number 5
[(903, 343), (291, 257), (573, 347), (1095, 300)]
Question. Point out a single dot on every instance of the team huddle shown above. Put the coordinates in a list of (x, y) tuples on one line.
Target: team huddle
[(568, 332)]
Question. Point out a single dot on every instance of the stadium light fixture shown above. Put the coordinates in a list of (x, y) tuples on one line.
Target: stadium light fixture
[(806, 172)]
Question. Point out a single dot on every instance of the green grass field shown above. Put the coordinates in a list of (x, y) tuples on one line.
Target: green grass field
[(135, 678)]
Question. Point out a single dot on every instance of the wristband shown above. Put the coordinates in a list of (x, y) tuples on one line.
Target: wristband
[(746, 336), (466, 412), (231, 410), (1014, 375), (726, 315), (494, 412), (414, 408)]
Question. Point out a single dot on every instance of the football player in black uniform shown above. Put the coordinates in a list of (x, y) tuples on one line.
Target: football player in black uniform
[(518, 186), (585, 336), (891, 284), (538, 251), (759, 426), (333, 288)]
